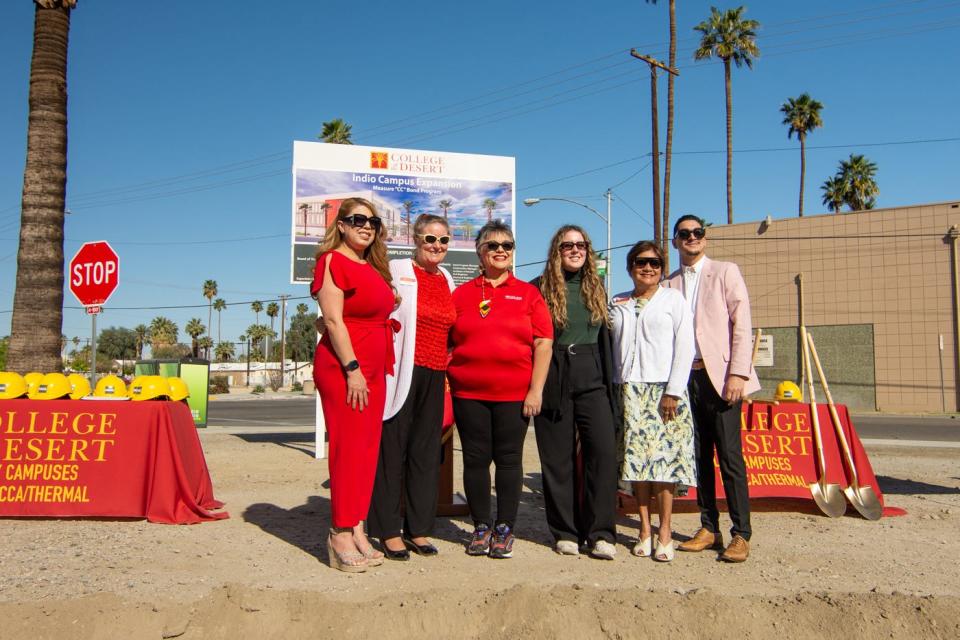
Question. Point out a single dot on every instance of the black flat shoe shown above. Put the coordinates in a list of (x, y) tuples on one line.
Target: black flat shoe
[(421, 549), (403, 555)]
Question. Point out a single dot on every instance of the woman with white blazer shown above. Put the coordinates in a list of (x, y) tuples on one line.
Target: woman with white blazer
[(408, 467), (653, 350)]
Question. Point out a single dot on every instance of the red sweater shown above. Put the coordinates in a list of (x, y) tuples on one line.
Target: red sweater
[(435, 316), (493, 355)]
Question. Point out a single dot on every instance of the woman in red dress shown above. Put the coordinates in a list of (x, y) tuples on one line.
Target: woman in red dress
[(352, 282)]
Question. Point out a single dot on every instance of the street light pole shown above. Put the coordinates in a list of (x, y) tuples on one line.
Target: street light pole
[(532, 201)]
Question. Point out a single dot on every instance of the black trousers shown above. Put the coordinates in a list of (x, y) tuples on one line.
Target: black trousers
[(585, 410), (408, 469), (491, 432), (717, 426)]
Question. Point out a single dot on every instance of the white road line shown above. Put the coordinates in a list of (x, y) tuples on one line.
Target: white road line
[(920, 444)]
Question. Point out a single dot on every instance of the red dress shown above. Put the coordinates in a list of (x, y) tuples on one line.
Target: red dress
[(354, 435)]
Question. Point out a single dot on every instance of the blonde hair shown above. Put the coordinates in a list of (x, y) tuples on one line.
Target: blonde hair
[(375, 254), (553, 285)]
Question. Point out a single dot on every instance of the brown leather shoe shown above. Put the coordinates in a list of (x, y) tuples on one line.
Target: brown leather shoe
[(701, 540), (737, 551)]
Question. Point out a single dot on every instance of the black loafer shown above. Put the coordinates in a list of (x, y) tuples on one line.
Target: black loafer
[(421, 549), (402, 555)]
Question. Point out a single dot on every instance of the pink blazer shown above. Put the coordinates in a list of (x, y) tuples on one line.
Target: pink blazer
[(722, 323)]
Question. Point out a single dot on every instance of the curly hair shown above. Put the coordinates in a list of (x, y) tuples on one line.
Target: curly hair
[(553, 285), (375, 254)]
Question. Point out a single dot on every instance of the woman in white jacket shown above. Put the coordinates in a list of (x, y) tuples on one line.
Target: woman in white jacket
[(408, 467), (652, 330)]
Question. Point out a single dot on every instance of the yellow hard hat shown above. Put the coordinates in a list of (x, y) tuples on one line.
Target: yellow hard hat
[(32, 379), (53, 386), (149, 388), (12, 385), (79, 386), (788, 391), (178, 388), (110, 387)]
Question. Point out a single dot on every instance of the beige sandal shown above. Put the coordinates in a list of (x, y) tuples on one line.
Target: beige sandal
[(665, 552), (643, 548), (347, 561)]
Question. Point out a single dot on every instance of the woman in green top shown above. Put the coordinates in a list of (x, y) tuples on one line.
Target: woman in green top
[(578, 401)]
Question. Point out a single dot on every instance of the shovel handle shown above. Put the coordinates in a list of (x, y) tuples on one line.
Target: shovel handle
[(812, 397), (835, 418)]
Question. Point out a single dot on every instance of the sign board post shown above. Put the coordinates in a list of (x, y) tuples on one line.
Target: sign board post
[(94, 276)]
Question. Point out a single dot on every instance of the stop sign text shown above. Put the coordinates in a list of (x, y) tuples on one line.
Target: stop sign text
[(94, 273)]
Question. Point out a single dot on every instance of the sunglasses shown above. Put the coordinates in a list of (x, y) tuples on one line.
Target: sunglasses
[(430, 238), (359, 221), (698, 233), (495, 246), (579, 246), (656, 263)]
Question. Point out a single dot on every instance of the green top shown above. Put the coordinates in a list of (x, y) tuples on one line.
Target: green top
[(578, 329)]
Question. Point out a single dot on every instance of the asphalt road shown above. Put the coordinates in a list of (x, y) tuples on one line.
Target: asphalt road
[(299, 412)]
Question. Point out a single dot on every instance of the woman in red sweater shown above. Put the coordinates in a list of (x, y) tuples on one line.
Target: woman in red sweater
[(502, 344)]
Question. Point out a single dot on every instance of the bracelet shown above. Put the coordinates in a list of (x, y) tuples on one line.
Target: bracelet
[(353, 365)]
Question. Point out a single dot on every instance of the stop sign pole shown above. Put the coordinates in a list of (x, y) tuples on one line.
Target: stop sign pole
[(94, 276)]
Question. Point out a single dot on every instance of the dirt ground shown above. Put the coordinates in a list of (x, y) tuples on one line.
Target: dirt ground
[(262, 573)]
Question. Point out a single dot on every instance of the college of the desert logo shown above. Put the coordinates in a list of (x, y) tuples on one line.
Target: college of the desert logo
[(378, 159)]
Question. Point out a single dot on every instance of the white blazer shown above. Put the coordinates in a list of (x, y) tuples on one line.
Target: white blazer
[(658, 345), (405, 340)]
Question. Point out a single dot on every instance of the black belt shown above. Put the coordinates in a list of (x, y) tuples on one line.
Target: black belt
[(577, 349)]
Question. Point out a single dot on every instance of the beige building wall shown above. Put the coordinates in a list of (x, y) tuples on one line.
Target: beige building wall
[(889, 268)]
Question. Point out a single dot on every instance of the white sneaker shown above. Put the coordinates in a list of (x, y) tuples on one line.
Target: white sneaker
[(603, 550), (567, 548)]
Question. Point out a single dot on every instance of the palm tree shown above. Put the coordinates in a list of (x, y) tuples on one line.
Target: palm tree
[(273, 310), (142, 334), (336, 131), (728, 36), (304, 208), (408, 207), (802, 114), (489, 204), (445, 206), (210, 292), (224, 352), (668, 150), (219, 305), (163, 331), (195, 329), (302, 309), (858, 174), (257, 307), (37, 319), (205, 343), (834, 193)]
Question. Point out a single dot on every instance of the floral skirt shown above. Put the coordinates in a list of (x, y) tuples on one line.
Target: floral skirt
[(651, 450)]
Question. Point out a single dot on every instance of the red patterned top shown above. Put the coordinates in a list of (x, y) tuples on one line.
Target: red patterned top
[(435, 315)]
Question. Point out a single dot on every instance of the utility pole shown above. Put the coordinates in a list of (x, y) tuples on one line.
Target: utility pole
[(655, 64), (283, 342)]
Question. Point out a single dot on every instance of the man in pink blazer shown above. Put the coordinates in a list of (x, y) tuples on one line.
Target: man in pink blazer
[(721, 376)]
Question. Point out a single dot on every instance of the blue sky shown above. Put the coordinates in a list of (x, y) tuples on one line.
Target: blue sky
[(182, 117)]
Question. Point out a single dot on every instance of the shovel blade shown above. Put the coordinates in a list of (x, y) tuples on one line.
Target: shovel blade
[(865, 501), (829, 498)]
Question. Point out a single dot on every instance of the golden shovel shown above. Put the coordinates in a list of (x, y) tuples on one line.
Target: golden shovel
[(828, 497), (863, 499)]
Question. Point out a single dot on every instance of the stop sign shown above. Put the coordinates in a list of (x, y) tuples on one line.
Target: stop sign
[(94, 273)]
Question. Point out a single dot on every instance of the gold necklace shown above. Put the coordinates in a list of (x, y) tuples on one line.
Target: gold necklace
[(484, 302)]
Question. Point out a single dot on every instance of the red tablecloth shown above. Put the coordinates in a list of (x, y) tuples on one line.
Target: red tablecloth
[(68, 458), (780, 455)]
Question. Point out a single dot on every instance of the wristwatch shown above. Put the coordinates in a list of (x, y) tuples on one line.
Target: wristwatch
[(353, 365)]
